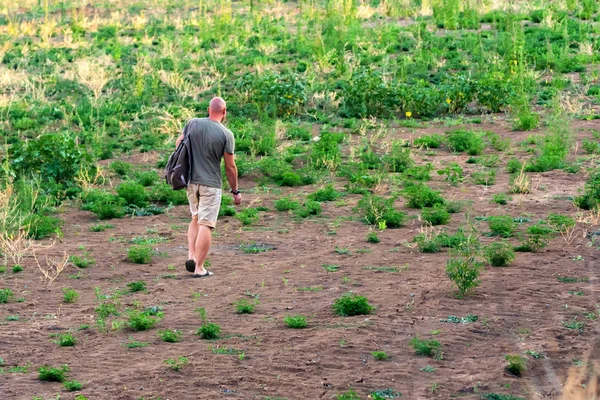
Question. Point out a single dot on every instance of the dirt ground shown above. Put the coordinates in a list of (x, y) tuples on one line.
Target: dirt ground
[(519, 308)]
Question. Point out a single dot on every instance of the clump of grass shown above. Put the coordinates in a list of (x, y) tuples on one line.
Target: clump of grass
[(82, 261), (419, 195), (426, 347), (295, 322), (70, 295), (254, 248), (73, 386), (17, 269), (328, 193), (177, 365), (140, 254), (50, 374), (463, 269), (286, 204), (6, 295), (372, 237), (100, 227), (499, 254), (137, 286), (330, 267), (380, 355), (502, 225), (133, 344), (532, 244), (516, 364), (437, 215), (352, 304), (170, 336), (209, 331), (244, 306), (143, 320), (66, 340), (501, 198)]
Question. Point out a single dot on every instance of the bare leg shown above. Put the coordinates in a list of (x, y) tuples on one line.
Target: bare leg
[(192, 235), (203, 242)]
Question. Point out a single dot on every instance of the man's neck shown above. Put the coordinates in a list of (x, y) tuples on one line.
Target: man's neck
[(216, 119)]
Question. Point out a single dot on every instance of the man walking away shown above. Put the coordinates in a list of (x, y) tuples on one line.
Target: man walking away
[(210, 141)]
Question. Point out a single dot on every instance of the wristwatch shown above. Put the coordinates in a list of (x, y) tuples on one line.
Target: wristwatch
[(236, 192)]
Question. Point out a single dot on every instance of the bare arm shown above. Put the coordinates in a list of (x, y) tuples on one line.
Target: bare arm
[(179, 139), (232, 175)]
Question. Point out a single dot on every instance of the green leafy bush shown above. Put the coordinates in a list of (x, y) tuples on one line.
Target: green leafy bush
[(502, 225), (328, 193), (352, 304), (427, 243), (432, 141), (82, 261), (437, 215), (42, 226), (73, 386), (424, 347), (465, 141), (372, 237), (516, 364), (248, 216), (366, 94), (309, 208), (133, 193), (295, 322), (463, 269), (147, 178), (140, 254), (137, 286), (286, 204), (419, 195), (143, 320), (163, 193), (499, 254), (398, 159), (380, 355), (66, 340), (5, 295), (590, 199), (500, 198), (244, 306), (50, 374), (209, 331), (532, 244), (375, 209), (170, 336), (70, 295), (121, 168)]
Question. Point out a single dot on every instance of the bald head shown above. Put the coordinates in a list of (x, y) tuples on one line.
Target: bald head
[(217, 106)]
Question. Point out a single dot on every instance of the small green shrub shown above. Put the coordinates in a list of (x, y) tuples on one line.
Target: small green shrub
[(513, 166), (140, 254), (463, 269), (16, 269), (244, 306), (432, 141), (375, 209), (133, 193), (177, 365), (532, 244), (309, 208), (398, 159), (560, 223), (540, 229), (147, 178), (286, 204), (163, 193), (437, 215), (352, 304), (138, 286), (349, 395), (419, 195), (427, 243), (295, 322), (380, 355), (66, 340), (455, 206), (70, 296), (209, 331), (73, 386), (100, 227), (424, 347), (484, 178), (372, 237), (502, 225), (248, 216), (328, 193), (516, 364), (501, 198), (464, 141), (143, 320), (499, 254), (82, 261), (170, 336), (42, 226), (121, 168), (5, 295), (50, 374)]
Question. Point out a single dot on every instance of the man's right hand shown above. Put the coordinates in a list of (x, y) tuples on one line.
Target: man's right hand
[(237, 199)]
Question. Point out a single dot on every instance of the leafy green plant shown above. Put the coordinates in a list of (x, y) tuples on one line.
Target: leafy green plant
[(328, 193), (140, 254), (502, 225), (133, 193), (248, 216), (464, 141), (295, 321), (310, 207), (432, 141), (170, 336), (244, 306), (121, 168), (133, 344), (254, 248), (372, 237), (375, 209), (143, 320), (6, 295), (16, 269), (348, 395), (178, 364), (419, 195), (285, 204), (437, 215), (51, 374), (138, 286), (516, 364), (66, 340), (454, 174), (499, 254), (532, 244), (380, 355), (425, 347), (209, 331), (73, 386), (82, 261), (501, 198), (398, 159), (352, 304), (463, 269)]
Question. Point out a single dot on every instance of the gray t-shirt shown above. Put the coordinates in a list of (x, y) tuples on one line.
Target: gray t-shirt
[(209, 141)]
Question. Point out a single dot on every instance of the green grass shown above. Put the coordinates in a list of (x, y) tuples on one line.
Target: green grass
[(295, 321)]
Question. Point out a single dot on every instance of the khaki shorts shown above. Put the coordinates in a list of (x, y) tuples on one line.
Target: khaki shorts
[(205, 202)]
